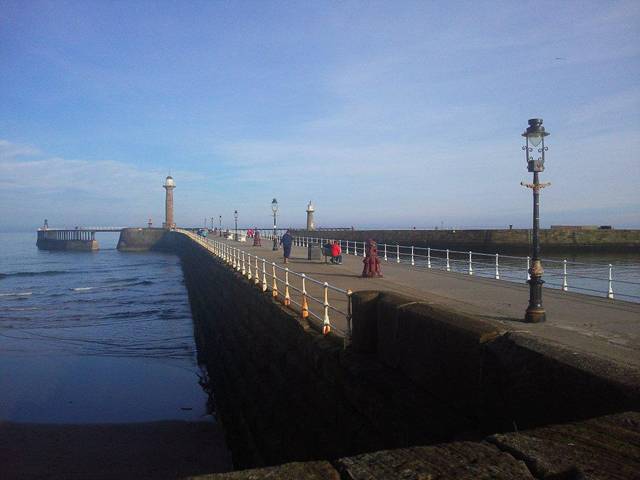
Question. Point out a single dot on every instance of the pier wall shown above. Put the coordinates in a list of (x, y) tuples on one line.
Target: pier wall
[(141, 239), (415, 374), (497, 241)]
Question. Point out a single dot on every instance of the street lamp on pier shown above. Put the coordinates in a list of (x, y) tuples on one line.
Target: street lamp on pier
[(534, 137), (235, 216), (220, 224), (274, 208)]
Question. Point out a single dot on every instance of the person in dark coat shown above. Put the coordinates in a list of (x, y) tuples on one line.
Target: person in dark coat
[(256, 238), (371, 261), (286, 241)]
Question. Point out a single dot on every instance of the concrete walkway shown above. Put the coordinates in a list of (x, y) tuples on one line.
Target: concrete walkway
[(609, 329)]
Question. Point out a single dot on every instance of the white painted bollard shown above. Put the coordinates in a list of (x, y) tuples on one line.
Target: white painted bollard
[(565, 286), (287, 298), (610, 292), (412, 257), (497, 268), (256, 278), (448, 265), (326, 325), (429, 257), (264, 275), (274, 289), (397, 253), (470, 263)]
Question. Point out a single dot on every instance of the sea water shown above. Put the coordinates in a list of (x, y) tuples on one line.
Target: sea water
[(95, 337)]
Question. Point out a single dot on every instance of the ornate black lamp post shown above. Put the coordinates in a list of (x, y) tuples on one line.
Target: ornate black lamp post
[(235, 216), (274, 208), (534, 136), (220, 223)]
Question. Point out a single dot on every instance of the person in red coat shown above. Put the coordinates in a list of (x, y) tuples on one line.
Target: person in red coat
[(371, 261), (336, 252)]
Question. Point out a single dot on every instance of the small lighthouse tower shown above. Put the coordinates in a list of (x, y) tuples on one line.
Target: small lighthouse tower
[(310, 225), (169, 185)]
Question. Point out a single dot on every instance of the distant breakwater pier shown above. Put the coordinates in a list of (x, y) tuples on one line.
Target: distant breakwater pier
[(504, 241), (421, 372)]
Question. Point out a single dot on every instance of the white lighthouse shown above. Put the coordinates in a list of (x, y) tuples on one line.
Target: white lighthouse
[(310, 225), (169, 185)]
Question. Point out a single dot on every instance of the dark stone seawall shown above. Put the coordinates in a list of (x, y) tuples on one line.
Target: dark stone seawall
[(414, 375), (142, 239), (497, 241)]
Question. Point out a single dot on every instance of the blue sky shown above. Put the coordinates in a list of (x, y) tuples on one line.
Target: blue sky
[(385, 114)]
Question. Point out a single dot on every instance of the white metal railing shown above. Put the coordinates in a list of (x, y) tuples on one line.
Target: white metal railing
[(587, 278), (304, 294)]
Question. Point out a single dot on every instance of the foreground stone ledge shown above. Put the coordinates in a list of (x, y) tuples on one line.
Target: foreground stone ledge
[(603, 448), (288, 471), (458, 460)]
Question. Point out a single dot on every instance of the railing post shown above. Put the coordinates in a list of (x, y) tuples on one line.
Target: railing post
[(470, 263), (497, 268), (304, 306), (326, 325), (238, 259), (264, 275), (429, 257), (385, 253), (287, 298), (347, 247), (398, 253), (234, 257), (565, 286), (355, 248), (256, 278), (244, 270), (528, 267), (610, 292), (364, 249), (412, 259), (448, 265), (347, 338), (275, 282)]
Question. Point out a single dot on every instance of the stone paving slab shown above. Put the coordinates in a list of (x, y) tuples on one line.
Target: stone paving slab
[(609, 329), (458, 460), (289, 471), (603, 448)]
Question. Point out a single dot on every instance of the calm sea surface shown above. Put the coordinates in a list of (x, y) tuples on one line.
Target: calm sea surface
[(95, 337)]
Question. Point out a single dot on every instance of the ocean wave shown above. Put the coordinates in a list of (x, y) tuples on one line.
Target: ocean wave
[(16, 294), (82, 289), (34, 274)]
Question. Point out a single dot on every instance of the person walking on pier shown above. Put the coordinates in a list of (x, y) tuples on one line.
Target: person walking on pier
[(371, 261), (286, 241), (256, 238)]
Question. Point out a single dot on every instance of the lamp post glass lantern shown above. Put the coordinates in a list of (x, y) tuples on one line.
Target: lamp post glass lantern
[(534, 138), (235, 216), (274, 208)]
